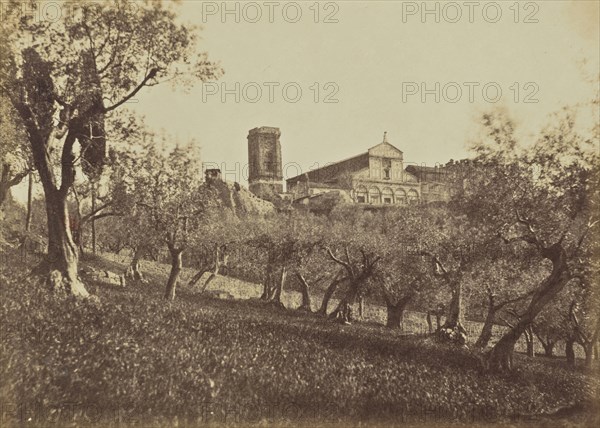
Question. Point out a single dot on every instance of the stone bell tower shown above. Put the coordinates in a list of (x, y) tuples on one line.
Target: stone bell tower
[(265, 177)]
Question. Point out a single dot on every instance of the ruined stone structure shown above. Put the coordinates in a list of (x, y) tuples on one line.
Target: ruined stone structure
[(234, 197), (265, 176)]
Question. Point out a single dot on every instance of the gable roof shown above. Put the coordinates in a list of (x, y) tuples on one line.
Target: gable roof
[(385, 149), (331, 171), (428, 173)]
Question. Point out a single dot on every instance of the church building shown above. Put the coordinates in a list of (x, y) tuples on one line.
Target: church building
[(376, 177)]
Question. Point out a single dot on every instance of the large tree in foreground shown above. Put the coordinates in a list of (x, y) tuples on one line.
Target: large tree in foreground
[(87, 64), (544, 195)]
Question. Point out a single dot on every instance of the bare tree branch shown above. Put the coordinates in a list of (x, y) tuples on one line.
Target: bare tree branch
[(339, 261), (533, 238), (132, 94), (514, 300)]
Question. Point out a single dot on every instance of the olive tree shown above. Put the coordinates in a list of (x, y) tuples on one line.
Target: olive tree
[(87, 64), (544, 195), (167, 194)]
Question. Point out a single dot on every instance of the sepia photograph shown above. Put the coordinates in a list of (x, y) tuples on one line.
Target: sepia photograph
[(353, 213)]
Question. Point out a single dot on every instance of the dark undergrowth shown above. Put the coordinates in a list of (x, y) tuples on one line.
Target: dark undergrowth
[(130, 358)]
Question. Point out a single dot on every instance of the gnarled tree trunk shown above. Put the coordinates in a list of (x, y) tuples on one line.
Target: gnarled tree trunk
[(486, 331), (215, 272), (343, 312), (133, 270), (429, 322), (205, 266), (357, 274), (549, 348), (197, 277), (395, 311), (361, 308), (492, 310), (529, 341), (276, 299), (28, 216), (588, 349), (547, 342), (453, 329), (4, 183), (93, 218), (500, 356), (454, 317), (176, 266), (329, 294), (304, 289), (570, 351), (586, 339), (63, 255), (268, 284)]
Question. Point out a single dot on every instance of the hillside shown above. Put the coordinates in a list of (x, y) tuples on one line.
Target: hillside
[(239, 199), (374, 312), (129, 357)]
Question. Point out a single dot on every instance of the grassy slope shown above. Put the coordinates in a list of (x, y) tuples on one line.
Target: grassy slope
[(131, 357), (414, 322)]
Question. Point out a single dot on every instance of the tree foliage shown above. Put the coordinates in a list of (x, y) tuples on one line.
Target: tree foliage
[(544, 195), (87, 64)]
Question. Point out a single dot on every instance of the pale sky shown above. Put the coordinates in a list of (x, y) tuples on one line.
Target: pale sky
[(372, 57), (375, 51)]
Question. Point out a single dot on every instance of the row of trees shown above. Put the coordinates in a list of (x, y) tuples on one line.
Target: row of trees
[(516, 238), (519, 233), (515, 246)]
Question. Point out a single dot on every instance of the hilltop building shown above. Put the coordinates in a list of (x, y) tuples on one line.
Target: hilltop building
[(376, 177)]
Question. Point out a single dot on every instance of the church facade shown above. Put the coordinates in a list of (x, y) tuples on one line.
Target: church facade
[(376, 177)]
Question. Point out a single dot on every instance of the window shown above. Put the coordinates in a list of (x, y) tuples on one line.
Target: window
[(361, 195), (413, 197), (374, 196), (387, 195), (400, 197)]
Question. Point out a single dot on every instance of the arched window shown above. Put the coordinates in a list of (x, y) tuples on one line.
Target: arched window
[(374, 196), (413, 196), (387, 196), (400, 197), (361, 195)]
